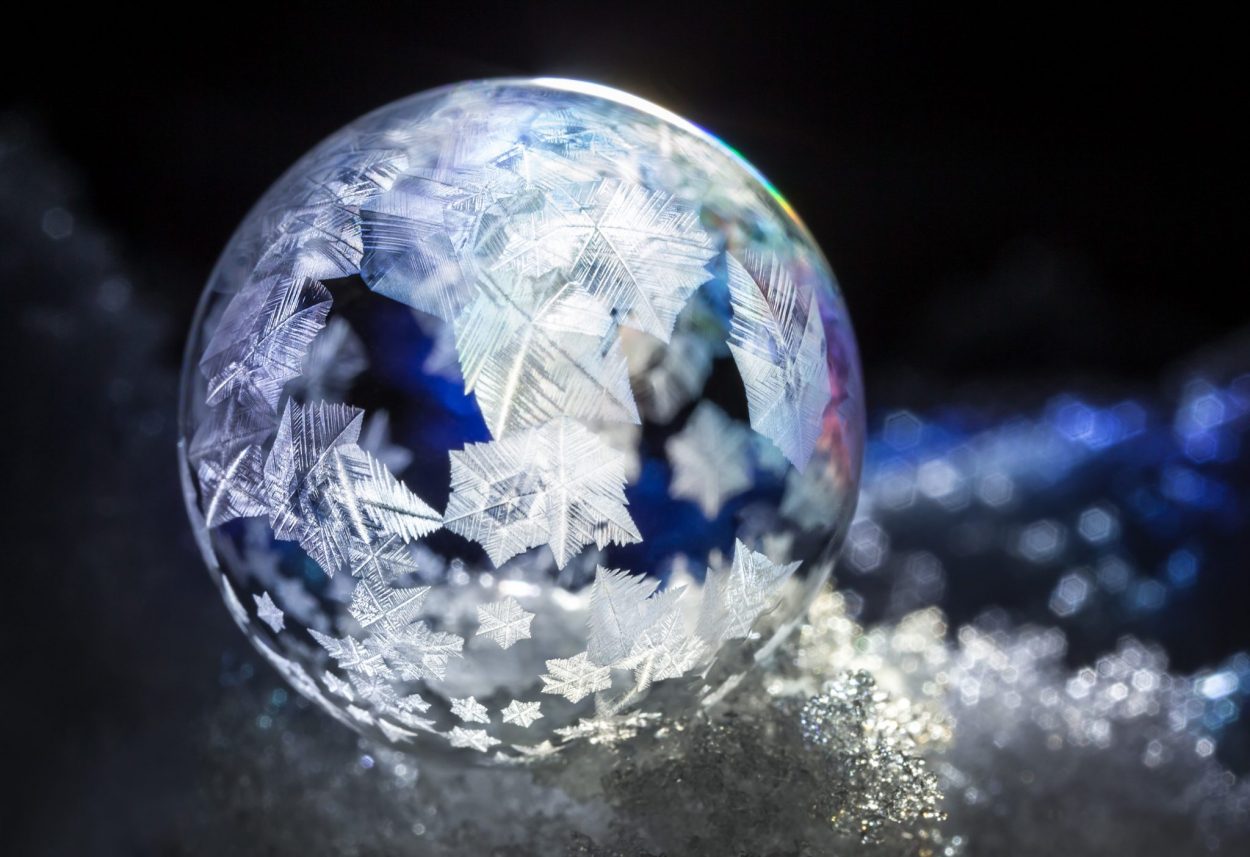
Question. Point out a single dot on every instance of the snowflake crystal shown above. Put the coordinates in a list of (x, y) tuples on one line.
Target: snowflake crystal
[(521, 713), (575, 678), (530, 752), (268, 612), (558, 485), (470, 710), (639, 252), (536, 348), (504, 622), (620, 608), (710, 457)]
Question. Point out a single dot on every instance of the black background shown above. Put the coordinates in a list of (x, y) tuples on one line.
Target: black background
[(1016, 203), (1038, 196)]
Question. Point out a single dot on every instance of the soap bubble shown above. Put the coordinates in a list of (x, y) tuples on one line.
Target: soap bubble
[(515, 412)]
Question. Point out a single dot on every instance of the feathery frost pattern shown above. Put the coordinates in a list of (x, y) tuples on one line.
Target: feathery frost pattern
[(665, 648), (470, 710), (331, 495), (318, 232), (621, 606), (376, 501), (536, 259), (779, 345), (558, 485), (639, 252), (536, 348), (504, 622), (575, 678), (262, 339), (301, 457), (734, 598)]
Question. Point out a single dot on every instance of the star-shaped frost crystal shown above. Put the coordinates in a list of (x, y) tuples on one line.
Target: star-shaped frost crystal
[(504, 622), (268, 612), (470, 710), (710, 459), (559, 485), (521, 713)]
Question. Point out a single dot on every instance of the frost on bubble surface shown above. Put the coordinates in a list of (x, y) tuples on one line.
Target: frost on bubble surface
[(524, 362)]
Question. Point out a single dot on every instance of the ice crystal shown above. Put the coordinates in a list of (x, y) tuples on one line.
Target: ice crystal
[(352, 655), (734, 598), (337, 686), (471, 739), (558, 485), (331, 495), (360, 715), (536, 751), (778, 343), (262, 339), (384, 559), (375, 501), (408, 653), (533, 348), (268, 612), (375, 602), (504, 622), (395, 733), (620, 608), (417, 651), (639, 252), (608, 730), (710, 459), (664, 649), (575, 678), (307, 437), (470, 710), (317, 232), (521, 713), (227, 452)]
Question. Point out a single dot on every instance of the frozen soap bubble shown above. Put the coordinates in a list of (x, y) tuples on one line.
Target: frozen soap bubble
[(515, 410)]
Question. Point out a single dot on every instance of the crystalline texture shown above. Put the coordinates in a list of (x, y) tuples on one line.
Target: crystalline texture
[(779, 345), (574, 310), (558, 485)]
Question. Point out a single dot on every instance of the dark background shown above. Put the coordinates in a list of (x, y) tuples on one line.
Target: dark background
[(1016, 204), (1041, 196)]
